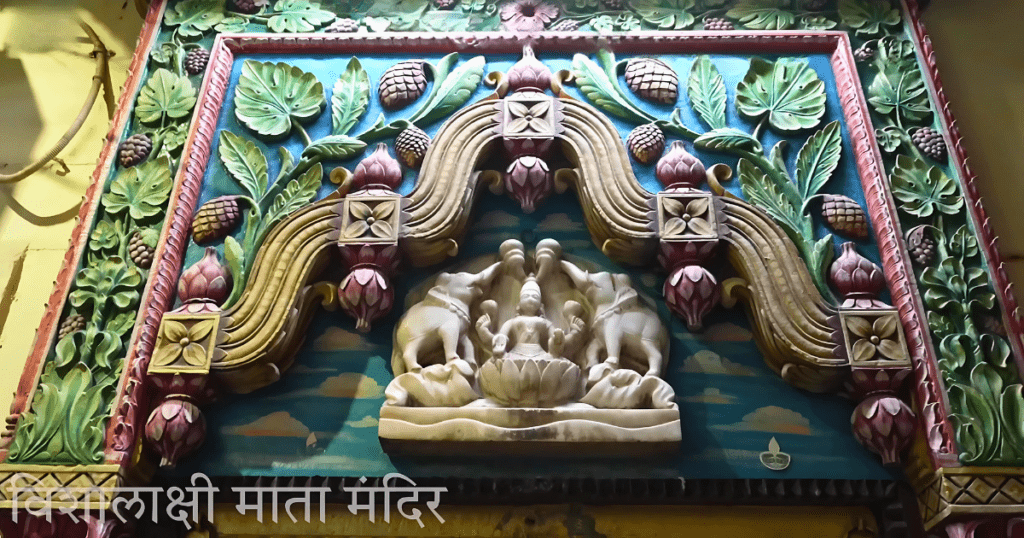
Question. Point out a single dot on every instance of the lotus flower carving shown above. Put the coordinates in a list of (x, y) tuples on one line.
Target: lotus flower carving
[(531, 382)]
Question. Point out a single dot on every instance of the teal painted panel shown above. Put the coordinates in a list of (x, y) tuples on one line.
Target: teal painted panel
[(321, 418)]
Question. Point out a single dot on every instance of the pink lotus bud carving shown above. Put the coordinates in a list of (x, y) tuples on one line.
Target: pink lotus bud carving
[(208, 279), (691, 292), (529, 72), (885, 425), (528, 179), (857, 279), (380, 169), (366, 295), (175, 429), (679, 169)]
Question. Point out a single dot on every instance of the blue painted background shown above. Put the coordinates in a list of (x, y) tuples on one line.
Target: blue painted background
[(321, 418)]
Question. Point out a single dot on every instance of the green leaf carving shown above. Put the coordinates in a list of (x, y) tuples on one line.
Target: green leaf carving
[(868, 17), (953, 289), (53, 400), (665, 14), (899, 90), (600, 86), (818, 159), (452, 91), (334, 147), (817, 22), (924, 190), (109, 281), (193, 17), (763, 14), (350, 98), (165, 95), (245, 162), (890, 138), (788, 90), (707, 92), (764, 193), (232, 25), (296, 194), (963, 244), (726, 139), (269, 97), (298, 16), (140, 190), (235, 259)]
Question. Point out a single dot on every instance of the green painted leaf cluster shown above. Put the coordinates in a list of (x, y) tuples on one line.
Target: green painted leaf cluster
[(787, 90), (706, 89), (193, 17), (868, 17), (452, 88), (298, 16), (140, 191), (165, 95), (763, 14), (898, 90), (245, 162), (350, 98), (924, 190), (270, 97), (665, 14)]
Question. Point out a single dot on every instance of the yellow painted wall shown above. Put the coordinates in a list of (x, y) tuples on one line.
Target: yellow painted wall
[(45, 74)]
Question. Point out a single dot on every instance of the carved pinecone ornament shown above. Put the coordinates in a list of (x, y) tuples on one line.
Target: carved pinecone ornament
[(930, 142), (402, 84), (196, 60), (718, 24), (72, 323), (411, 146), (140, 253), (921, 246), (653, 80), (216, 219), (343, 26), (844, 215), (134, 150), (646, 143), (567, 25)]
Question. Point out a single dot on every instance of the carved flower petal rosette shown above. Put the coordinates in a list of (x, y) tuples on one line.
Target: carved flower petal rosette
[(370, 219), (686, 215), (185, 344)]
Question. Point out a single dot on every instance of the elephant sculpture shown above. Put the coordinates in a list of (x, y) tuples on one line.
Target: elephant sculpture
[(621, 325), (433, 330)]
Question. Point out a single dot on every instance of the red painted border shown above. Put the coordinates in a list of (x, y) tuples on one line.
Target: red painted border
[(982, 226), (870, 166), (47, 330)]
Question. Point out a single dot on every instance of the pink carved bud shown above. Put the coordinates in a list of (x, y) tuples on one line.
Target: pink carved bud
[(175, 429), (858, 280), (885, 425), (691, 292), (380, 169), (366, 295), (679, 169), (207, 279), (675, 253), (529, 72), (528, 180)]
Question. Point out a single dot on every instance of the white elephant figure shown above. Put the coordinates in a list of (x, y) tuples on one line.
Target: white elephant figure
[(440, 323), (621, 325)]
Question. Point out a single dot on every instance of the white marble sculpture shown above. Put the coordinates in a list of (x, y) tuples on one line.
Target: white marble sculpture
[(482, 351)]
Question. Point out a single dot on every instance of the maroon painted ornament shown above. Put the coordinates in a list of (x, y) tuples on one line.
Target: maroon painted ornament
[(679, 169), (857, 279), (691, 291), (885, 425), (175, 429), (529, 72), (206, 280), (367, 295), (529, 181), (380, 169)]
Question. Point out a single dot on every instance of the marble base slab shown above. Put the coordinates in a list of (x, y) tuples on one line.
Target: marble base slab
[(569, 431)]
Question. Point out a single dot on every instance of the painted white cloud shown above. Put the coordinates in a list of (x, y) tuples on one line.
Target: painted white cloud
[(772, 419), (277, 424), (338, 339), (558, 222), (709, 362), (344, 385), (496, 219), (365, 422), (711, 396)]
